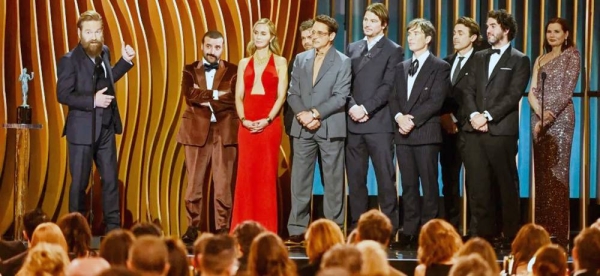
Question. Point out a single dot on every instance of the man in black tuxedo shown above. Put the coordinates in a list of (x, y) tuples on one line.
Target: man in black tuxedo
[(497, 80), (465, 37), (77, 70), (420, 87), (370, 127)]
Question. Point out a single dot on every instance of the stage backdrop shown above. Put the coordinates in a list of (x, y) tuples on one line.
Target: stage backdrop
[(166, 35)]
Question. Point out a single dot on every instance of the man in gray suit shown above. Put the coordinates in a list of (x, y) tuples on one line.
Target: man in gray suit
[(319, 86)]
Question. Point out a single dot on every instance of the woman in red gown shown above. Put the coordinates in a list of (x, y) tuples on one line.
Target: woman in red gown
[(260, 92)]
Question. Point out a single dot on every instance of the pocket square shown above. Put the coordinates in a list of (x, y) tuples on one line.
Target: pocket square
[(506, 68)]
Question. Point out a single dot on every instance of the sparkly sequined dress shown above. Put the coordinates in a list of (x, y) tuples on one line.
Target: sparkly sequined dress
[(552, 151)]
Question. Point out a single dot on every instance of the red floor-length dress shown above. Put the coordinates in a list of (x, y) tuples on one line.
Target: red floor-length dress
[(256, 185)]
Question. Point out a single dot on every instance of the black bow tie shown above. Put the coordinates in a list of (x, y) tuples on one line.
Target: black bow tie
[(414, 66), (210, 66), (494, 51)]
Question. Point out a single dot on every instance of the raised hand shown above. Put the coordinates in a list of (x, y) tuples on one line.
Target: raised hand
[(127, 52)]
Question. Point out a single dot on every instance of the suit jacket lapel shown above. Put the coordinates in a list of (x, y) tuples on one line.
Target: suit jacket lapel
[(463, 72), (108, 69), (371, 54), (327, 63), (500, 63), (218, 75), (200, 75), (421, 80)]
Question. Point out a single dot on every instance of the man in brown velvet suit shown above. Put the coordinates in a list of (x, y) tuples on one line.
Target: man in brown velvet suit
[(208, 132)]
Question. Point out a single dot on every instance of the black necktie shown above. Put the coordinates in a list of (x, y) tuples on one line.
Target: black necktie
[(414, 66), (210, 66), (494, 51), (457, 70)]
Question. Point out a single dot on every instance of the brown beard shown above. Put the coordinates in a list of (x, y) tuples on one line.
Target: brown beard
[(92, 48)]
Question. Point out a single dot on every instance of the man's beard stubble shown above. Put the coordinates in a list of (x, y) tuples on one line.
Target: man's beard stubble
[(92, 48)]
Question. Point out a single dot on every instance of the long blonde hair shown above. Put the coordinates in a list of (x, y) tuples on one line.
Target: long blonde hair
[(273, 44)]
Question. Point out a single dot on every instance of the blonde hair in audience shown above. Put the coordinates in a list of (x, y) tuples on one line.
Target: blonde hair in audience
[(438, 242), (374, 258), (550, 260), (343, 255), (49, 232), (483, 249), (471, 265), (321, 235), (269, 256), (273, 43), (45, 259)]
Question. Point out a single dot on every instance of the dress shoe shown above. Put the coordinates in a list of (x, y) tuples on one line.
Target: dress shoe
[(295, 240), (190, 236)]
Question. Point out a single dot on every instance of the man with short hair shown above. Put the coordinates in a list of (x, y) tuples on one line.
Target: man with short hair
[(219, 256), (497, 80), (87, 266), (149, 256), (208, 133), (343, 255), (370, 126), (586, 252), (465, 37), (85, 64), (319, 86), (199, 246), (421, 85)]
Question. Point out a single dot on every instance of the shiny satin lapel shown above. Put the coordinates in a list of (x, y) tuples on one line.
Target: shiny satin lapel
[(219, 75)]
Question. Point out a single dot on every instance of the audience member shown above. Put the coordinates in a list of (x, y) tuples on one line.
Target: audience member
[(484, 249), (149, 256), (87, 266), (321, 235), (146, 228), (374, 259), (438, 242), (178, 261), (334, 271), (118, 271), (50, 233), (244, 233), (586, 252), (269, 257), (352, 237), (199, 246), (219, 256), (78, 234), (529, 239), (344, 256), (114, 248), (471, 265), (550, 260), (45, 259)]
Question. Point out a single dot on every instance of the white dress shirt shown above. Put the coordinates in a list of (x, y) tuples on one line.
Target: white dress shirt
[(411, 79), (373, 41), (210, 78), (494, 58), (466, 56)]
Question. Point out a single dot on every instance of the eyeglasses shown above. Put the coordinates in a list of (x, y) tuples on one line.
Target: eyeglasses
[(318, 33)]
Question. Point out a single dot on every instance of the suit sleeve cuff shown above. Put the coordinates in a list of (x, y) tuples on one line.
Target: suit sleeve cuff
[(215, 95), (397, 115), (453, 118), (473, 115), (487, 115), (364, 109)]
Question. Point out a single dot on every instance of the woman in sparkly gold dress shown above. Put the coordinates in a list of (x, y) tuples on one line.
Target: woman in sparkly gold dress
[(553, 126)]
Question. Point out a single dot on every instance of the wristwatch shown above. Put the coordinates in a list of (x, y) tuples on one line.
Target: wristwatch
[(269, 120)]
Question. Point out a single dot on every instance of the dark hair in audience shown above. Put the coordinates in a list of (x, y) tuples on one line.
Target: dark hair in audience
[(306, 24), (550, 260), (484, 249), (343, 255), (146, 228), (471, 265), (77, 233), (374, 225), (118, 271), (245, 232), (32, 219), (528, 240), (473, 27), (179, 265), (219, 254), (149, 254), (565, 28), (380, 11), (212, 34), (587, 249), (506, 21), (269, 256), (115, 247), (332, 25)]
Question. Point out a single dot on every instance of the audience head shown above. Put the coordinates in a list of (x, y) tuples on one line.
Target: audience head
[(305, 28), (558, 33), (87, 266), (438, 242), (219, 256), (199, 245), (374, 225), (375, 261), (149, 256), (323, 31), (352, 237), (146, 228), (31, 220), (471, 265), (586, 250), (501, 27), (345, 256), (269, 256), (178, 261), (245, 232), (321, 235), (482, 248), (596, 224), (264, 35), (333, 271), (528, 240), (45, 259), (50, 233), (421, 34), (115, 247), (77, 232), (550, 260), (212, 46), (118, 271)]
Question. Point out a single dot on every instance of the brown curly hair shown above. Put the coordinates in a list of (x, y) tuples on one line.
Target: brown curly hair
[(269, 256), (438, 242)]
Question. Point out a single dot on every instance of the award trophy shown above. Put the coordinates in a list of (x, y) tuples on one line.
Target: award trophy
[(22, 127)]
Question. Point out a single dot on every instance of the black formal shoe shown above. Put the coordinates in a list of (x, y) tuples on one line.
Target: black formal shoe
[(223, 231), (295, 240), (190, 235)]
